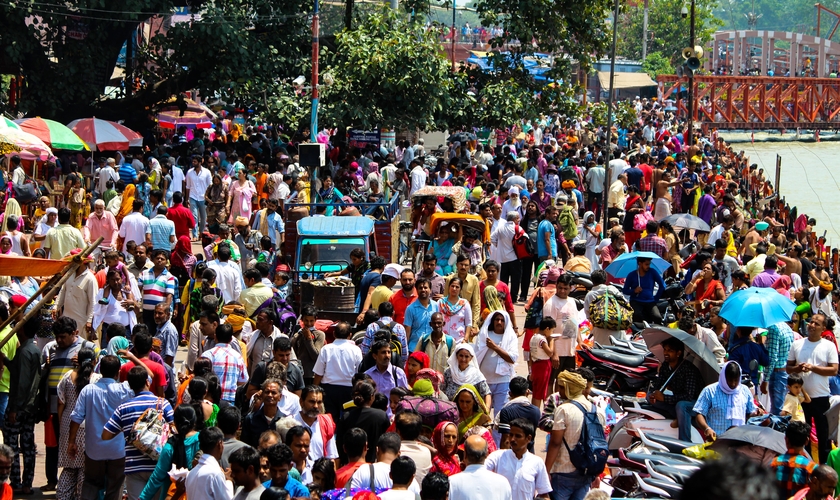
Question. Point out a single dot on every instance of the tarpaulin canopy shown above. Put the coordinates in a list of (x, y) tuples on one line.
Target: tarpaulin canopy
[(30, 266), (625, 80)]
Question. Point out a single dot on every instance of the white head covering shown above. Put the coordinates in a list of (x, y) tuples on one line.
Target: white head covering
[(472, 375), (508, 344)]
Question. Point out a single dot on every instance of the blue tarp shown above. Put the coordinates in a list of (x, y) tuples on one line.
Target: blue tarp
[(538, 72)]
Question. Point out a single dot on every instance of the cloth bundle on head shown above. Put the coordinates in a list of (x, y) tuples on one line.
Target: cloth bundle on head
[(435, 378), (240, 222), (573, 384), (553, 275), (826, 285), (568, 184), (736, 407), (235, 316)]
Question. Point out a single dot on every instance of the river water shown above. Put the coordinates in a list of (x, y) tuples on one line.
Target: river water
[(810, 178)]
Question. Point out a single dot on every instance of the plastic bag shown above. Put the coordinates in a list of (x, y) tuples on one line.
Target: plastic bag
[(701, 452)]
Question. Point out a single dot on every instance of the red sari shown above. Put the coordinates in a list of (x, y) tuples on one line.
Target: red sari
[(447, 463)]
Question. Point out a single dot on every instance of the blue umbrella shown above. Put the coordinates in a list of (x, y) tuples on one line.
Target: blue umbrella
[(757, 307), (626, 263)]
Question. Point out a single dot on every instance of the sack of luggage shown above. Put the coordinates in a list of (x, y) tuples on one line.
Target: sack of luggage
[(610, 311), (433, 411)]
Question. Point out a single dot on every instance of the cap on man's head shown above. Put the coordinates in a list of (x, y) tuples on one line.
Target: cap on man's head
[(393, 271)]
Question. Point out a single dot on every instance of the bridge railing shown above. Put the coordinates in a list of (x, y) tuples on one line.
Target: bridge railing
[(756, 102)]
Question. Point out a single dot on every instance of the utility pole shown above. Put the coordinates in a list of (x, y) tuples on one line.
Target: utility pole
[(645, 31), (454, 34), (313, 125), (608, 150), (690, 129)]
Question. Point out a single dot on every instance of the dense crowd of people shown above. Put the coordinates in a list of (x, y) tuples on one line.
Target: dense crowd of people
[(162, 372)]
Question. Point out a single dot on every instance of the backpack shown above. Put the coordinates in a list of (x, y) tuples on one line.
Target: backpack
[(590, 455), (286, 318), (610, 311), (534, 315), (433, 411), (567, 223), (522, 244), (396, 345), (450, 343)]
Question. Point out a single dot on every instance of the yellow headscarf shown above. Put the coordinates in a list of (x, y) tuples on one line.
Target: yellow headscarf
[(235, 317), (573, 383), (127, 202)]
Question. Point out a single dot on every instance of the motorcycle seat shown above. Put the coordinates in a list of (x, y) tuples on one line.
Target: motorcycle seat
[(668, 459), (620, 358), (671, 488), (673, 445), (623, 350), (678, 475)]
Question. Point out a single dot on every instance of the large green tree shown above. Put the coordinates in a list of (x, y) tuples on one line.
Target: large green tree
[(668, 29), (387, 72)]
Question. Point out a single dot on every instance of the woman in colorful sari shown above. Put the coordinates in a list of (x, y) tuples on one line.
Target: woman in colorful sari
[(474, 417), (463, 370), (216, 198), (456, 311), (445, 439), (329, 194), (127, 202), (12, 208)]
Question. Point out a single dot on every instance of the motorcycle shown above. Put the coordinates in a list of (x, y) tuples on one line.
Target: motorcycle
[(581, 284), (628, 367)]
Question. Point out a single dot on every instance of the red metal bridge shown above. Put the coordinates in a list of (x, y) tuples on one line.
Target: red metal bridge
[(755, 102)]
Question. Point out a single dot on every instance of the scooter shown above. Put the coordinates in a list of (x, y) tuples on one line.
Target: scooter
[(641, 420), (621, 368)]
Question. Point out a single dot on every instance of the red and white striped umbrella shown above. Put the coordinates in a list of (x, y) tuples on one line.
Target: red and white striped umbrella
[(104, 135)]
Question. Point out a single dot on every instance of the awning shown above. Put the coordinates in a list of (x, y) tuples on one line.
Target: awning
[(30, 266), (625, 80)]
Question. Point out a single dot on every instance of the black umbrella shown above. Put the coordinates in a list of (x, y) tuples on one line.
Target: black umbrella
[(696, 351), (461, 137)]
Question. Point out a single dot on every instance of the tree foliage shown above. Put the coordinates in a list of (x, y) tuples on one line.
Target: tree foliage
[(670, 30), (624, 114), (387, 72), (656, 64)]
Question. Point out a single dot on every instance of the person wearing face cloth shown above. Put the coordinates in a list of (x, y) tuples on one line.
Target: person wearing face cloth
[(728, 403)]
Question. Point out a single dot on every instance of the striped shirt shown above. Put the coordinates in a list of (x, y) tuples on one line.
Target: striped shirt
[(713, 404), (123, 420), (128, 174), (779, 340), (229, 366), (61, 362), (156, 288)]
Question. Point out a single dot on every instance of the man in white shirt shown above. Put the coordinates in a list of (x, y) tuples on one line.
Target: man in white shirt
[(477, 481), (198, 180), (136, 227), (565, 313), (387, 450), (76, 300), (334, 370), (178, 177), (418, 177), (617, 166), (524, 471), (595, 186), (207, 480), (311, 399), (502, 241), (402, 474), (106, 173), (228, 274), (816, 359)]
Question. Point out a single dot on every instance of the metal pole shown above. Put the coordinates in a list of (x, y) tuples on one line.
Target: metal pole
[(690, 129), (313, 126), (454, 33), (645, 31), (607, 182)]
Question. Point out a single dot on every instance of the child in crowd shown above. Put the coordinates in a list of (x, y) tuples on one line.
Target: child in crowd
[(281, 282), (795, 397), (542, 348)]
